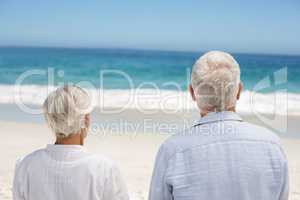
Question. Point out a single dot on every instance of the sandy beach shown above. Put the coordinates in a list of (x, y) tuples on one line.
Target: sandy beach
[(149, 69), (134, 153)]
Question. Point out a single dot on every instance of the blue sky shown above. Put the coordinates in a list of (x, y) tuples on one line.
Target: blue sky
[(238, 26)]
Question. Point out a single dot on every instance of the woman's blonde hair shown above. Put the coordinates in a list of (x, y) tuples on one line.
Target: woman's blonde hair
[(65, 110)]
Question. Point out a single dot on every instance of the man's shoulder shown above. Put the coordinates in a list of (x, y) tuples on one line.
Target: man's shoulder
[(196, 136), (256, 132)]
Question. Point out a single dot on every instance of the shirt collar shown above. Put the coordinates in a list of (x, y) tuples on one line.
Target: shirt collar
[(218, 116), (65, 153), (54, 147)]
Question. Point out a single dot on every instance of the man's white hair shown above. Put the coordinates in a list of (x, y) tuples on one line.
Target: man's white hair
[(65, 110), (215, 80)]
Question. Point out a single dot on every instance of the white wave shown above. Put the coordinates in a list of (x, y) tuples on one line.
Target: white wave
[(148, 99)]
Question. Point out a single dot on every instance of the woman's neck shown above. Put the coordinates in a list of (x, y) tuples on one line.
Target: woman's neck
[(75, 139)]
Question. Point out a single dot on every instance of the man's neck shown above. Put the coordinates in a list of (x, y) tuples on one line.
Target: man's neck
[(205, 112)]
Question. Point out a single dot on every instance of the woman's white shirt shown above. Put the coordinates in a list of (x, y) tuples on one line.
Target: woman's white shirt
[(63, 172)]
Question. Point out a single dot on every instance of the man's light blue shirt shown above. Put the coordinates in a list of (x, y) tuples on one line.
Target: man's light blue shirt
[(221, 157)]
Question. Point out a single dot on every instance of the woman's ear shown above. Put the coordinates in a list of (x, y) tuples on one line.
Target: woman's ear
[(84, 130), (241, 87), (87, 120), (192, 92)]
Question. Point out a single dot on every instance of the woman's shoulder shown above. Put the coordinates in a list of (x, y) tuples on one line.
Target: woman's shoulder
[(99, 160), (24, 162)]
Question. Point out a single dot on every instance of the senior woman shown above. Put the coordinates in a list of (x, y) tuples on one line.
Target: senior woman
[(65, 170)]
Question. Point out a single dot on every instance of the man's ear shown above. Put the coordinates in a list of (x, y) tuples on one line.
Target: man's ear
[(241, 87), (192, 92)]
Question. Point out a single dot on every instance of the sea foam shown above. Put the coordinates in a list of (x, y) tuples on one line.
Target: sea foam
[(282, 103)]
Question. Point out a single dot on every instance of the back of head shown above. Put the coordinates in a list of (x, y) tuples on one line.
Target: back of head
[(65, 110), (215, 81)]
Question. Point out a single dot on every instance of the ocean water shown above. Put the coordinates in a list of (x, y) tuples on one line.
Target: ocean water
[(119, 72)]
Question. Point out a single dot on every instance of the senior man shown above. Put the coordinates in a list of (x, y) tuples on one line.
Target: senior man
[(220, 157), (66, 170)]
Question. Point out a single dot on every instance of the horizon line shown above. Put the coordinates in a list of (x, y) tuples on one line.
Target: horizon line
[(142, 49)]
